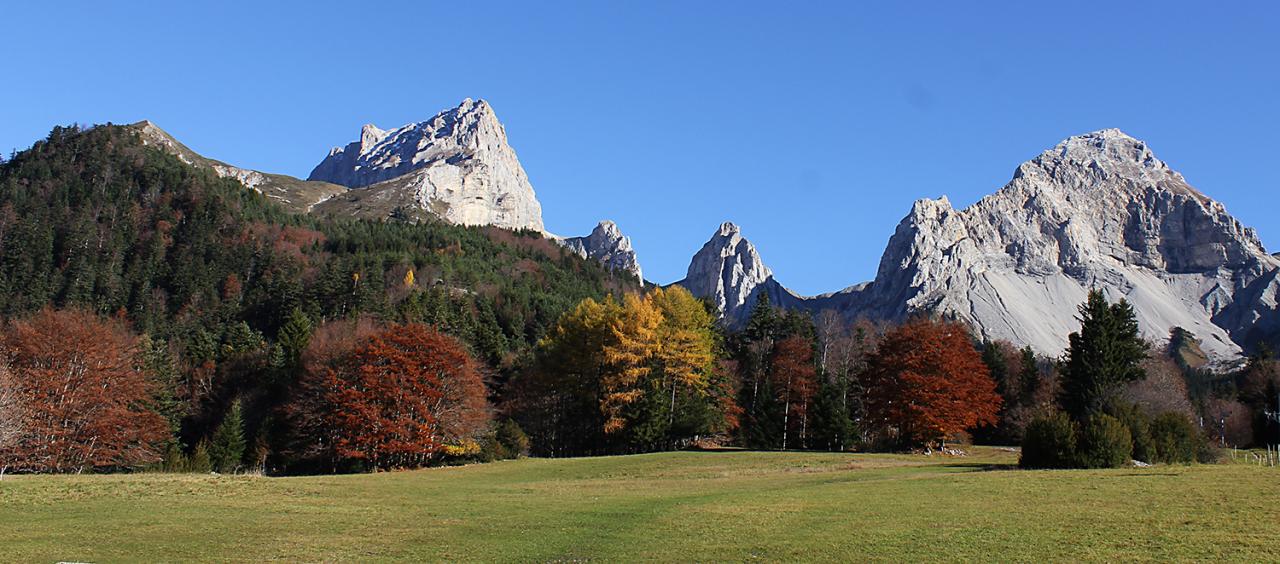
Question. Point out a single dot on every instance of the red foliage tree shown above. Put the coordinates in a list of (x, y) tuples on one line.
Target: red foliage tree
[(926, 381), (795, 380), (87, 396), (395, 400)]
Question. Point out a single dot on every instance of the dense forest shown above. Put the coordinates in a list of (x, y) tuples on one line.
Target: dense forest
[(157, 316), (211, 274)]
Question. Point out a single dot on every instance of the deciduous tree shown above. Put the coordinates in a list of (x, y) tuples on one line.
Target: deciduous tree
[(397, 399), (14, 414), (926, 382), (794, 382), (88, 396)]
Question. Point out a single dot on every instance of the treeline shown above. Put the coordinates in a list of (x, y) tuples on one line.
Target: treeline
[(656, 372)]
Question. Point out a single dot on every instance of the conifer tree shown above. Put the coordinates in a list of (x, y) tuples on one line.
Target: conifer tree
[(294, 336), (1104, 356), (227, 449)]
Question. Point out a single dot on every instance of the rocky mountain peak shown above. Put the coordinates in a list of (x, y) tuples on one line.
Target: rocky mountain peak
[(456, 166), (728, 271), (608, 245), (1097, 210)]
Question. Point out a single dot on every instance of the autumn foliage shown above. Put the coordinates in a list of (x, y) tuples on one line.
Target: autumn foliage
[(927, 382), (82, 393), (794, 381), (393, 399)]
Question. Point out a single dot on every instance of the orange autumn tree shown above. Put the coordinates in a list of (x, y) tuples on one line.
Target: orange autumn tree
[(927, 382), (85, 396), (398, 398), (794, 381)]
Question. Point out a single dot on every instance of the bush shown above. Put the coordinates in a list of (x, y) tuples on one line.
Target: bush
[(1104, 442), (199, 461), (512, 439), (1175, 440), (1049, 442), (1139, 424), (507, 440)]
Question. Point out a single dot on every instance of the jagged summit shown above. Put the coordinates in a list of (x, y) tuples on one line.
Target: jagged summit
[(1100, 156), (608, 245), (728, 271), (456, 166), (1097, 210), (380, 155)]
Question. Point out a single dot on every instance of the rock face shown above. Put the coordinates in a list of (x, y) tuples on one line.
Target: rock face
[(1098, 210), (608, 245), (294, 194), (456, 166), (728, 271)]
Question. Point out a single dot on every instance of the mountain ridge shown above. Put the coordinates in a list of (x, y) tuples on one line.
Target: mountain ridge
[(1096, 210), (294, 194)]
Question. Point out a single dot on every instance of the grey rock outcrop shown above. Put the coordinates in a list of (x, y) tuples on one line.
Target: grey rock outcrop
[(456, 166), (729, 271), (1098, 210), (294, 194), (609, 246)]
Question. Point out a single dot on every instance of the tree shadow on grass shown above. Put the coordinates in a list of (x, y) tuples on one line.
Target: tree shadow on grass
[(981, 466)]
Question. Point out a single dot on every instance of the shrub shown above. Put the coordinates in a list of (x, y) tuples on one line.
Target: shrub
[(512, 439), (199, 461), (1049, 442), (1104, 442), (1174, 439), (1139, 424)]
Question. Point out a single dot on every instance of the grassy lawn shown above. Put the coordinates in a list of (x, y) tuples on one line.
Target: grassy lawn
[(670, 507)]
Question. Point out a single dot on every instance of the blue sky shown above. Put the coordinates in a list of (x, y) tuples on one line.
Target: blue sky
[(812, 125)]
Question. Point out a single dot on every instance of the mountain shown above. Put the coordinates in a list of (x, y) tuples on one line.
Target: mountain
[(1096, 211), (609, 246), (456, 166), (729, 271), (294, 194)]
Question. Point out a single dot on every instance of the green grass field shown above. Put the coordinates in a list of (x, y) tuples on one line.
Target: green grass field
[(688, 506)]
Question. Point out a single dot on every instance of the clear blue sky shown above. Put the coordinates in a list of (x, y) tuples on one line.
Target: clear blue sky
[(812, 125)]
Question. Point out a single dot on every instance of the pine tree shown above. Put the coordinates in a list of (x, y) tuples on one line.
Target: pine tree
[(1029, 373), (833, 429), (227, 449), (294, 336), (1104, 356)]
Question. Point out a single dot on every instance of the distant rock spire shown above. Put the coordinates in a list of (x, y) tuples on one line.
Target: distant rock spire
[(609, 246)]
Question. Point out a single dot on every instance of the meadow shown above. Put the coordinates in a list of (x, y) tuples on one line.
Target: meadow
[(677, 506)]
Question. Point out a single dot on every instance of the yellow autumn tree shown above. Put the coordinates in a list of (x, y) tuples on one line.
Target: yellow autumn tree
[(631, 357), (686, 356)]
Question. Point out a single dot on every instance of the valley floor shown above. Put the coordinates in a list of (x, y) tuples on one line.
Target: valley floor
[(688, 506)]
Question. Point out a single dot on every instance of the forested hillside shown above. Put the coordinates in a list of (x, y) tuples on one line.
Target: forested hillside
[(209, 272)]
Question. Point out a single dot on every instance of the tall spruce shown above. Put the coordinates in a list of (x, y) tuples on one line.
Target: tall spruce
[(227, 449), (1104, 356)]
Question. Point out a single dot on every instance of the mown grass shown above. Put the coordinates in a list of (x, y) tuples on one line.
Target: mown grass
[(688, 506)]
